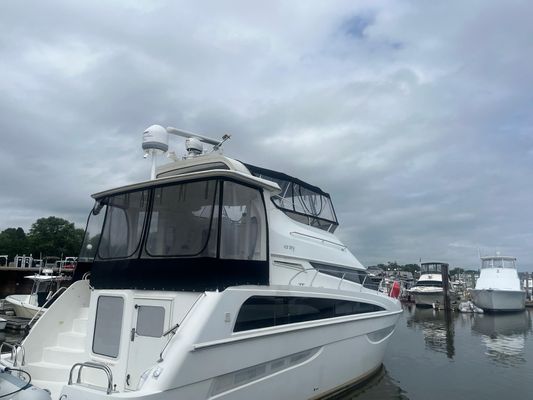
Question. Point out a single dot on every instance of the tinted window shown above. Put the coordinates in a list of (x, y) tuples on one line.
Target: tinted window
[(243, 224), (108, 326), (150, 321), (264, 311), (123, 224), (181, 220)]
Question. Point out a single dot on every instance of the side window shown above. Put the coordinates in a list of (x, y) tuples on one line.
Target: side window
[(123, 225), (108, 326), (243, 224), (150, 321), (266, 311)]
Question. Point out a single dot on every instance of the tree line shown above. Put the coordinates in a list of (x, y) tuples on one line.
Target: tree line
[(49, 236)]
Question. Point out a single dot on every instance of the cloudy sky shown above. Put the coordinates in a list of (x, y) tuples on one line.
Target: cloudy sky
[(416, 116)]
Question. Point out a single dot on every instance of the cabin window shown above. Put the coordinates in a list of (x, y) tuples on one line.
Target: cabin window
[(267, 311), (150, 321), (108, 326), (181, 223), (347, 274), (243, 223), (123, 225), (429, 283), (92, 232)]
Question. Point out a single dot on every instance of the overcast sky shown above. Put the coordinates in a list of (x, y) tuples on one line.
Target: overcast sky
[(416, 116)]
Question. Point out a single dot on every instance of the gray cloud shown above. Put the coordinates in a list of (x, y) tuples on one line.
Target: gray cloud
[(415, 116)]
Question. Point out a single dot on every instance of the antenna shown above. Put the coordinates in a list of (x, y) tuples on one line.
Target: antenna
[(155, 142), (193, 141)]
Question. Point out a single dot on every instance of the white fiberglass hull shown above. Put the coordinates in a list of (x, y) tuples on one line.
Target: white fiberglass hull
[(3, 324), (21, 306), (426, 298), (499, 300), (295, 365)]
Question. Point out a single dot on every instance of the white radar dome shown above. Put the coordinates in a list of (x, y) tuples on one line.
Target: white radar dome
[(155, 137)]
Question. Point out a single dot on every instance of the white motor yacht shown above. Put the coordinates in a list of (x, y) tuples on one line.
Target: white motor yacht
[(498, 287), (214, 280), (428, 290), (44, 288)]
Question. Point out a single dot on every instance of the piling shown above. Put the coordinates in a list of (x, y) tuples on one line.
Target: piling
[(445, 286)]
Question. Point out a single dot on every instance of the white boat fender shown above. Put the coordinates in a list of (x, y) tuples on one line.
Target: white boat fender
[(14, 388)]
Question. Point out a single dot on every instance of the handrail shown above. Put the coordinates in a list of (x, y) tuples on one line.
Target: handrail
[(175, 328), (15, 352), (94, 365), (44, 305), (342, 278)]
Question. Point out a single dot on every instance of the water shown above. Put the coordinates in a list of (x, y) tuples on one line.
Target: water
[(459, 356), (434, 355)]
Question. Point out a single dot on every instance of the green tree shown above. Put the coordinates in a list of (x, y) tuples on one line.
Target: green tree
[(54, 236), (13, 241)]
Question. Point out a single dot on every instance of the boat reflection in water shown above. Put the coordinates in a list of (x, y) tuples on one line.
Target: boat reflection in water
[(504, 336), (437, 327), (380, 386)]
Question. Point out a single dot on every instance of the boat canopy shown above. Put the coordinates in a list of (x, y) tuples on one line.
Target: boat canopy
[(180, 234), (432, 267), (299, 200)]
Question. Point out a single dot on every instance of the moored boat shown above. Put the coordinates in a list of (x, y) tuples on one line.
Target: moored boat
[(216, 279), (44, 287), (498, 287), (428, 290)]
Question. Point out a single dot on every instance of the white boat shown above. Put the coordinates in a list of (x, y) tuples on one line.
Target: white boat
[(498, 287), (216, 279), (428, 290), (3, 324), (45, 284)]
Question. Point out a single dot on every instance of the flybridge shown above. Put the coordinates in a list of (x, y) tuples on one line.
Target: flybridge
[(155, 142)]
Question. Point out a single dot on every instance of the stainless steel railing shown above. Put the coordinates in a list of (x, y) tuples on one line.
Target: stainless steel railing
[(15, 347), (93, 365)]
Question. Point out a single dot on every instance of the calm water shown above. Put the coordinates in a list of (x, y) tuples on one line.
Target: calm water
[(459, 356), (456, 356)]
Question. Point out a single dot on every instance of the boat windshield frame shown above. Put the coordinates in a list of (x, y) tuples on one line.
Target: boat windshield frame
[(432, 267), (504, 262), (299, 200)]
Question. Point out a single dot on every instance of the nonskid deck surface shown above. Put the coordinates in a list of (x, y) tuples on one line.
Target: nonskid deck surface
[(51, 371)]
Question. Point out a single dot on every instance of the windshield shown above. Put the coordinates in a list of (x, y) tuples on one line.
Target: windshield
[(431, 267), (498, 263), (212, 218), (181, 220), (300, 201)]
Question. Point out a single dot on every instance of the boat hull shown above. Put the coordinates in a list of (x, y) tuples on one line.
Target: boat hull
[(315, 362), (428, 299), (21, 306), (493, 300), (3, 324)]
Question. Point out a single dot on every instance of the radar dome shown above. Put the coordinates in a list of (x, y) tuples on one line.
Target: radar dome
[(155, 137)]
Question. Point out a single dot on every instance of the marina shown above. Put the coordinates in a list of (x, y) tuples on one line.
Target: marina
[(483, 356)]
